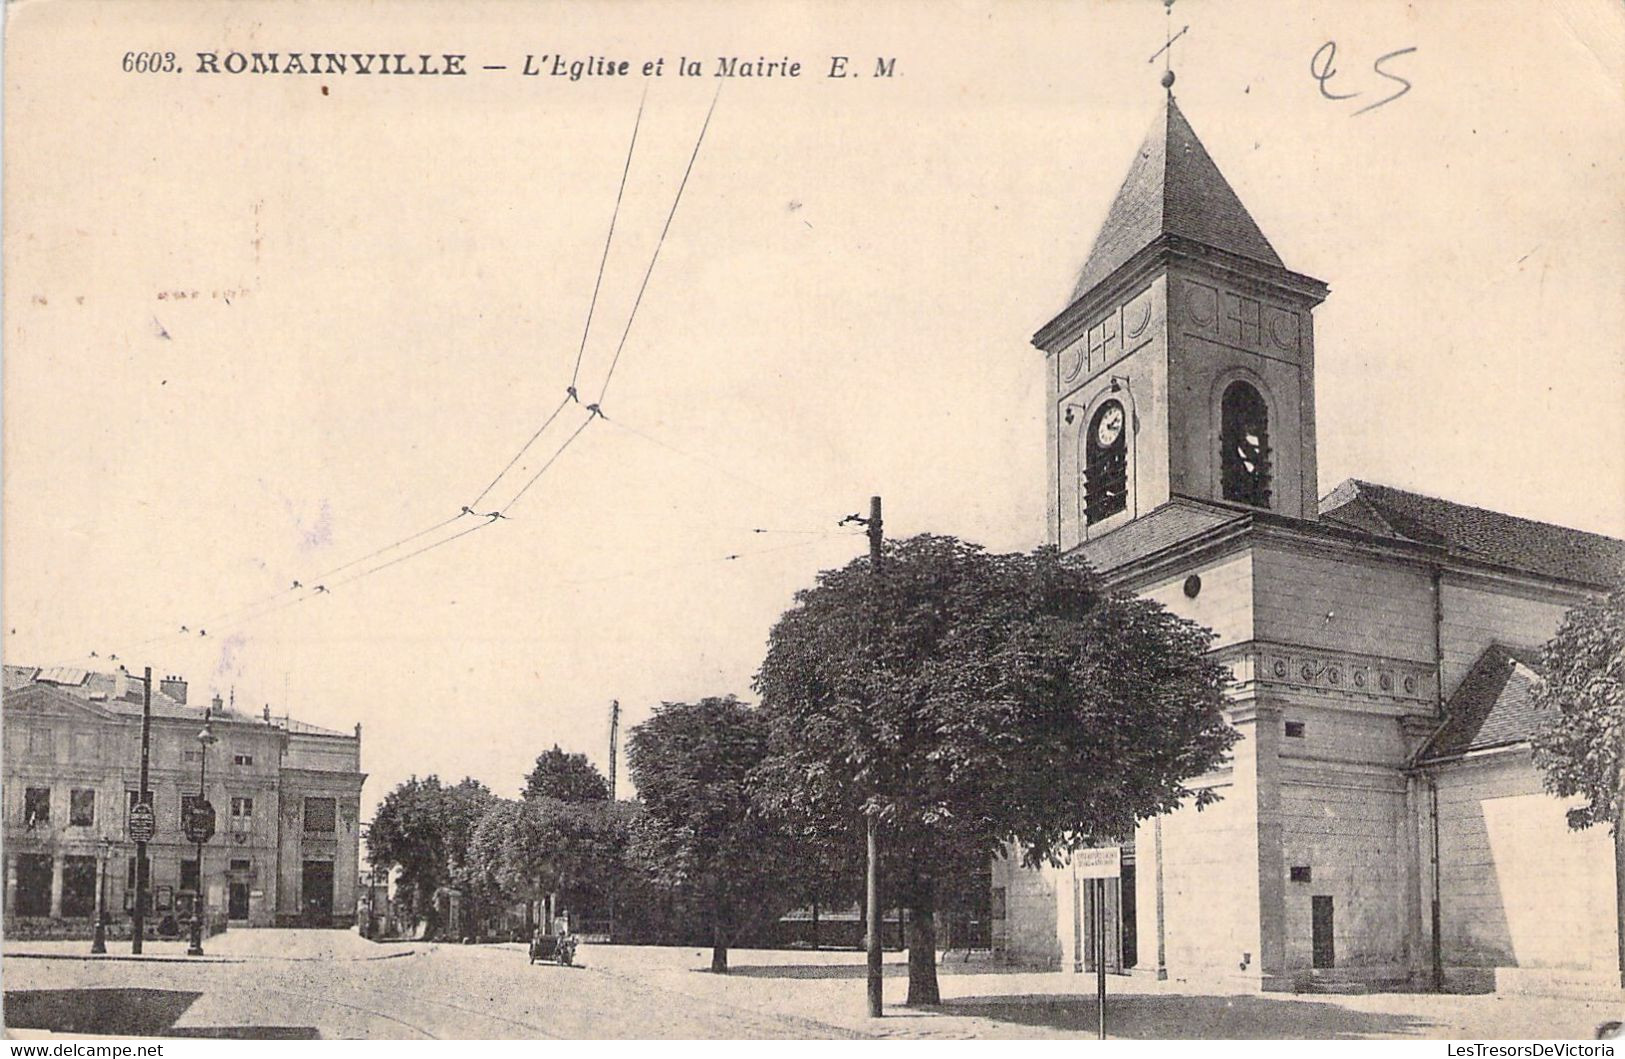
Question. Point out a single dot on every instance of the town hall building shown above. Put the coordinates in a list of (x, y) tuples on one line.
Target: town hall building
[(1381, 820), (287, 796)]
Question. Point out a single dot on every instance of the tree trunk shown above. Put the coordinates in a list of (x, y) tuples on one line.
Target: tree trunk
[(1619, 886), (719, 937), (815, 925), (719, 950), (922, 945)]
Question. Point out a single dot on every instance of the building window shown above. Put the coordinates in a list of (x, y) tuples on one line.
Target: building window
[(78, 886), (242, 759), (193, 756), (1294, 729), (189, 875), (188, 802), (241, 865), (131, 797), (1301, 873), (1244, 442), (37, 807), (33, 884), (81, 808), (1105, 481), (242, 808), (39, 742), (320, 816)]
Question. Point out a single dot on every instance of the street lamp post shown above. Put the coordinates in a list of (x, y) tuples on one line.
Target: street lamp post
[(200, 834), (98, 937)]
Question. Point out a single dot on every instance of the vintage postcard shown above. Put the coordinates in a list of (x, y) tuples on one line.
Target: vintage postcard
[(818, 520)]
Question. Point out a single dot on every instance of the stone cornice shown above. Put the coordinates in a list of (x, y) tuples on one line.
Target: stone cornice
[(1154, 259), (1357, 682), (1333, 541)]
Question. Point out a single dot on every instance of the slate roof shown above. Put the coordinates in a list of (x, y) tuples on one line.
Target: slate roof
[(1173, 188), (1476, 533), (1173, 522), (1493, 706), (102, 690)]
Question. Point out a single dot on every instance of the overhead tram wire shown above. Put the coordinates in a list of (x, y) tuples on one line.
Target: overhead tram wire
[(409, 555), (311, 580), (615, 214), (678, 198), (274, 602), (550, 461), (526, 446), (570, 393), (592, 306)]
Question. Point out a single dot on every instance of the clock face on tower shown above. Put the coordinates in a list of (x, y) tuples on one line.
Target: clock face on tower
[(1111, 426)]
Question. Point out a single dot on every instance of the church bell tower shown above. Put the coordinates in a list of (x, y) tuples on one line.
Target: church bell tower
[(1184, 365)]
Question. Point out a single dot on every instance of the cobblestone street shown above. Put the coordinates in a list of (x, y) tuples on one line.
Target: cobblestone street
[(324, 984)]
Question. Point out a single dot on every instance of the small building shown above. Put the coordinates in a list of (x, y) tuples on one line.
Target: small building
[(286, 796)]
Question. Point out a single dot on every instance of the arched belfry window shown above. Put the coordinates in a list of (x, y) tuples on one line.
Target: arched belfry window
[(1105, 482), (1244, 443)]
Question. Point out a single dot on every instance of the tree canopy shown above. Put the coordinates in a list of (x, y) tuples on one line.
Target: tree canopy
[(968, 699), (424, 827), (1583, 694), (567, 777), (533, 846), (701, 834)]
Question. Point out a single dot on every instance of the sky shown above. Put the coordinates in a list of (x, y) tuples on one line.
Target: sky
[(386, 281)]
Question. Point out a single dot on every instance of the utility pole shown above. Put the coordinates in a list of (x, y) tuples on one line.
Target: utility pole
[(872, 873), (143, 797), (871, 891), (614, 734)]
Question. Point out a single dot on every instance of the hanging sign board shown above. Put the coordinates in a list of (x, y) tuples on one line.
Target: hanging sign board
[(1102, 863), (200, 823), (143, 824)]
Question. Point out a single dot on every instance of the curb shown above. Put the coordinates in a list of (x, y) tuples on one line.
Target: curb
[(131, 958)]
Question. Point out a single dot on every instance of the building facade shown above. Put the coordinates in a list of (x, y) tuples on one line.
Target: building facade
[(286, 796), (1380, 819)]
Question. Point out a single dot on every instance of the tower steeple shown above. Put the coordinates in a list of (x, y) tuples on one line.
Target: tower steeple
[(1173, 188), (1184, 365)]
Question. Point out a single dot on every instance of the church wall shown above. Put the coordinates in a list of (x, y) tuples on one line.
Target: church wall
[(1346, 824), (1503, 905), (1343, 603), (1224, 602), (1210, 884), (1478, 614)]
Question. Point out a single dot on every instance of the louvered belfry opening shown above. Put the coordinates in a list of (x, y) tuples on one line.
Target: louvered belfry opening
[(1105, 467), (1245, 443)]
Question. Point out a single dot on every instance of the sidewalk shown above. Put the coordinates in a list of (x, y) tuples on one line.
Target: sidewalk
[(234, 946), (982, 999)]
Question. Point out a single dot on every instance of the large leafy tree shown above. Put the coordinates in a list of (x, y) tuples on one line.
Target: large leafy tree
[(567, 777), (1579, 748), (967, 700), (702, 836), (1583, 694), (535, 846), (424, 827)]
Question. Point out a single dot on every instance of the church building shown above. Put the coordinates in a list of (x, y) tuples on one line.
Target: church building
[(1381, 821)]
